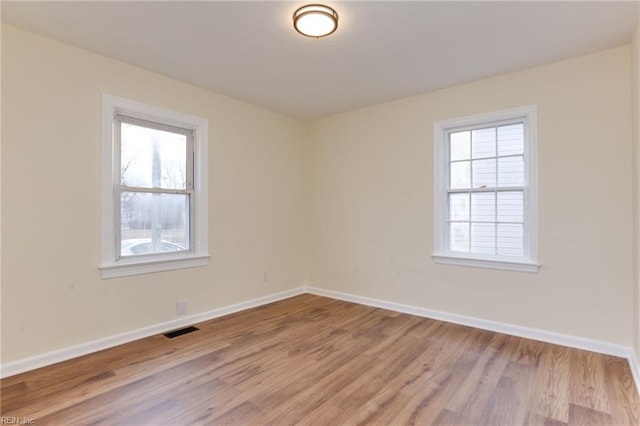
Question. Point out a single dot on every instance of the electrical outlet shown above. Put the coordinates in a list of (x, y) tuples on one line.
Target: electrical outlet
[(181, 307), (265, 277)]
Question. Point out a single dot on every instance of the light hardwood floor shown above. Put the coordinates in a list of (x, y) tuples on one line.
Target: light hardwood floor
[(312, 360)]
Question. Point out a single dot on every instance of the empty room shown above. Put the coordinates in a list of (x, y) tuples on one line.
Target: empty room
[(290, 213)]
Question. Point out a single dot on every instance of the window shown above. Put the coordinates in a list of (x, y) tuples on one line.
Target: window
[(154, 189), (485, 190)]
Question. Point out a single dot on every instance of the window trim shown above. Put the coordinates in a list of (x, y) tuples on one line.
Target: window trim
[(441, 254), (111, 266)]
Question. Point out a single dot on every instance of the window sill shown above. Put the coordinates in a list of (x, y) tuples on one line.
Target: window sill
[(505, 265), (140, 266)]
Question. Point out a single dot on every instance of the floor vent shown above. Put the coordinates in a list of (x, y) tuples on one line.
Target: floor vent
[(180, 332)]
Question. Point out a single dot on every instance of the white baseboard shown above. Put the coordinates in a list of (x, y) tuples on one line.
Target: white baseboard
[(634, 365), (27, 364), (49, 358), (513, 330)]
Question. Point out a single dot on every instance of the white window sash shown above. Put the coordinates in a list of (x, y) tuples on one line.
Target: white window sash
[(119, 187), (442, 129), (116, 110)]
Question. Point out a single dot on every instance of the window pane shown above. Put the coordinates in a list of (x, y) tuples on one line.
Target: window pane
[(483, 207), (511, 171), (153, 223), (483, 238), (511, 139), (460, 174), (484, 173), (459, 237), (460, 146), (511, 206), (458, 206), (483, 142), (510, 239), (152, 158)]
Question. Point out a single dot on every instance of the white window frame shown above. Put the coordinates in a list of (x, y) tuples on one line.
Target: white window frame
[(114, 266), (441, 252)]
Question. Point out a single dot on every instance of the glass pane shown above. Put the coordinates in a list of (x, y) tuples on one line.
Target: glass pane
[(483, 143), (511, 206), (484, 173), (460, 145), (459, 237), (510, 239), (483, 238), (483, 207), (153, 223), (460, 175), (511, 171), (458, 206), (152, 158), (511, 139)]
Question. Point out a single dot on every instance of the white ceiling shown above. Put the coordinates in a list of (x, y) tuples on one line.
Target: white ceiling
[(381, 51)]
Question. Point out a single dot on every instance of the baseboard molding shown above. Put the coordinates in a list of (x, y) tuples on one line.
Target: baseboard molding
[(32, 363), (513, 330), (634, 365), (28, 364)]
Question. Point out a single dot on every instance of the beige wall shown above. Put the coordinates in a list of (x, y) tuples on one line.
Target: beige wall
[(635, 81), (52, 294), (343, 203), (372, 211)]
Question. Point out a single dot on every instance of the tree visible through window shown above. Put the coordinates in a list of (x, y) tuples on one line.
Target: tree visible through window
[(155, 187)]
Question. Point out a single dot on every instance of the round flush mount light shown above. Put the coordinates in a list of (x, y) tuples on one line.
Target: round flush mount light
[(315, 20)]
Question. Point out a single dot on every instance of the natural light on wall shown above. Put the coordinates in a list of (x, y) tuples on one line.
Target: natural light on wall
[(315, 20)]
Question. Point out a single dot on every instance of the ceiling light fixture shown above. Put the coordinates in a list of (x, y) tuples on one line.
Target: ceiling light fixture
[(315, 20)]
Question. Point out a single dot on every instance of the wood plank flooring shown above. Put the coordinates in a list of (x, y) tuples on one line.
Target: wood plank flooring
[(311, 360)]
